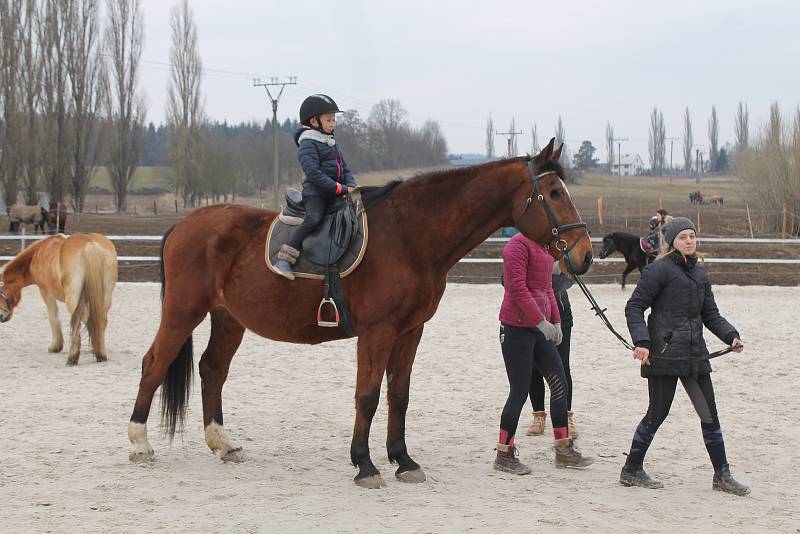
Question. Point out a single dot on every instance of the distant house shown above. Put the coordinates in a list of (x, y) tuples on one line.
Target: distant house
[(630, 165)]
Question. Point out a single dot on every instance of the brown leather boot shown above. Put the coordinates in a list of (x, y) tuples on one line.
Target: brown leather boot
[(539, 422), (568, 456), (573, 433), (508, 462)]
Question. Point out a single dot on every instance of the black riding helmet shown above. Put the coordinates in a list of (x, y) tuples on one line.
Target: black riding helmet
[(314, 106)]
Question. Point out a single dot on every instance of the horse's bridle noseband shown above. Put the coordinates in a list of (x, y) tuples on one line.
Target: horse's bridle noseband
[(556, 229)]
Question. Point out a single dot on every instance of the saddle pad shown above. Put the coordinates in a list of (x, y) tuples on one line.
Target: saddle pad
[(280, 231)]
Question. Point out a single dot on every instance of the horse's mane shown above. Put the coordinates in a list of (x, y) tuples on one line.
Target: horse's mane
[(373, 195)]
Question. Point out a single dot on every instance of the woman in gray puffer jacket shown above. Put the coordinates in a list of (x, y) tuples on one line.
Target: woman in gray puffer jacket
[(678, 292)]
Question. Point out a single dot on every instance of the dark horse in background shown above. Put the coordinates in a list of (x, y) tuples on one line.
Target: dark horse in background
[(57, 218), (629, 246), (213, 262)]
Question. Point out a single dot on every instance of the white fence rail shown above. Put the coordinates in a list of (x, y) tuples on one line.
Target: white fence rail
[(23, 238)]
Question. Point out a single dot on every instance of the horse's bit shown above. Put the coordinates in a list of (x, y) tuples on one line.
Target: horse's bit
[(556, 229)]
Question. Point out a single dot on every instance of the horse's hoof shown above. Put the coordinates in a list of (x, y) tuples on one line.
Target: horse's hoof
[(139, 457), (101, 357), (55, 348), (71, 362), (370, 482), (234, 456), (414, 477)]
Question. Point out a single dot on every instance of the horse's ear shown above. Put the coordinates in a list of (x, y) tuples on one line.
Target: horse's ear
[(546, 152), (556, 153)]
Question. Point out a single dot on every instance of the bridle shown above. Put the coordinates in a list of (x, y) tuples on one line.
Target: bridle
[(556, 229)]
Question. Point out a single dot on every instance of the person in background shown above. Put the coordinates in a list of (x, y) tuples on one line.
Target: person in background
[(560, 282)]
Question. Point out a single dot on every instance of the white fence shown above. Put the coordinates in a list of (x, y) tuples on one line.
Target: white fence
[(23, 238)]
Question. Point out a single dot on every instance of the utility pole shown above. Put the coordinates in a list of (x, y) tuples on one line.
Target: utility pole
[(511, 136), (698, 162), (274, 82), (671, 140), (619, 141)]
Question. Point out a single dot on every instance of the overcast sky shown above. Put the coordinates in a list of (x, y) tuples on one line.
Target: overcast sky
[(458, 61)]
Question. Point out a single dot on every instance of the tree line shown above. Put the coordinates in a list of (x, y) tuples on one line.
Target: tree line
[(70, 102)]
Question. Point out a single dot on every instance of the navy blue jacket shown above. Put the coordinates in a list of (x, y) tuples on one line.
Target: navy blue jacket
[(326, 172), (681, 302)]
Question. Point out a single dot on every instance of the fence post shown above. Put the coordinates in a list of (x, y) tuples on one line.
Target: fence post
[(698, 218), (600, 210), (661, 199), (176, 205), (749, 221), (785, 213), (155, 208)]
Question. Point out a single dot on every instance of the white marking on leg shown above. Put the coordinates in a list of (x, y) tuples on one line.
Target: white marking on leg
[(137, 433), (217, 440)]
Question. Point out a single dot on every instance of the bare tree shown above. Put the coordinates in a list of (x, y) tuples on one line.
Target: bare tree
[(561, 133), (124, 107), (55, 134), (11, 13), (610, 146), (534, 140), (656, 144), (31, 92), (184, 105), (713, 139), (688, 141), (742, 127), (769, 168), (490, 138), (387, 126), (84, 68)]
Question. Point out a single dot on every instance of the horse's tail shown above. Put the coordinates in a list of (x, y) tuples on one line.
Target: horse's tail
[(93, 293), (177, 383)]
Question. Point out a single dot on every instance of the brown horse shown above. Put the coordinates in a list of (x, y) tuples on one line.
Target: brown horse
[(57, 218), (213, 261), (79, 270)]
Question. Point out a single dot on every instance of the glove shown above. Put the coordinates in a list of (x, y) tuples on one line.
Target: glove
[(549, 330), (560, 335)]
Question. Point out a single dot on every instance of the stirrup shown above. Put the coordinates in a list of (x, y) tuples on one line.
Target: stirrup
[(329, 324)]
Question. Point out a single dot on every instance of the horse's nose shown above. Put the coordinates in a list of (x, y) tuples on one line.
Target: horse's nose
[(587, 260)]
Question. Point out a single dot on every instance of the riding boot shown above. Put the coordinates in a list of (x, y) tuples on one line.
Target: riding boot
[(287, 256), (568, 456), (573, 433), (539, 421), (508, 462), (723, 481), (635, 475)]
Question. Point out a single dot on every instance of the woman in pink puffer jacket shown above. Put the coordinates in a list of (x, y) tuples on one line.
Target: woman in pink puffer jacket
[(529, 332)]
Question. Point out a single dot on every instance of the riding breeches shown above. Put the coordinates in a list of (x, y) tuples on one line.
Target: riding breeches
[(526, 349), (537, 380), (662, 391)]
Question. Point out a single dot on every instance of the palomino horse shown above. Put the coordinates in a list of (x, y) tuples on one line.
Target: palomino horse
[(630, 247), (79, 270), (35, 215), (213, 261)]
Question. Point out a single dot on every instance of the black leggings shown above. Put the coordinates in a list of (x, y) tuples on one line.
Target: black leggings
[(526, 349), (315, 211), (537, 381), (662, 392)]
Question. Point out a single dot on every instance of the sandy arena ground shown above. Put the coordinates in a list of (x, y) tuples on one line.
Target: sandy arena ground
[(65, 463)]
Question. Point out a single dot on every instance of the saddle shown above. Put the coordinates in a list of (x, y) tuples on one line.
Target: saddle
[(332, 252)]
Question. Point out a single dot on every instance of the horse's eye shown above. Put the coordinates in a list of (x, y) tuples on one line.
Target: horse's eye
[(555, 195)]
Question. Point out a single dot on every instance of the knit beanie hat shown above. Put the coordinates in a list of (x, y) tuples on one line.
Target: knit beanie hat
[(676, 226)]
